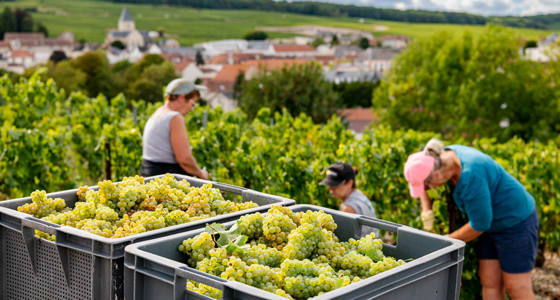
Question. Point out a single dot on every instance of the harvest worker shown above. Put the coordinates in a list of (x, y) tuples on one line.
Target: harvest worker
[(341, 180), (165, 144), (502, 213)]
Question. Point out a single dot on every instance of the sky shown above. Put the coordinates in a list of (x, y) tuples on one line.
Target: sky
[(479, 7)]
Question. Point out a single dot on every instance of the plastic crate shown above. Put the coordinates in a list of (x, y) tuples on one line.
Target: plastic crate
[(82, 265), (158, 270)]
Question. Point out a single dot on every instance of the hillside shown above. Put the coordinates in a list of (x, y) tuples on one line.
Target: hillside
[(91, 19)]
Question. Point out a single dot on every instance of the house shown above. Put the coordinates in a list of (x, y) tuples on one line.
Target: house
[(38, 44), (352, 75), (19, 61), (394, 41), (347, 52), (214, 48), (545, 50), (294, 50), (128, 34), (379, 59), (358, 118), (233, 58), (298, 40)]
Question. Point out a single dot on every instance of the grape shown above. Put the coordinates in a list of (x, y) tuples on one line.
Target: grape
[(176, 217), (204, 289), (41, 206), (252, 225), (245, 205), (106, 214), (82, 193), (260, 254), (369, 242), (277, 227)]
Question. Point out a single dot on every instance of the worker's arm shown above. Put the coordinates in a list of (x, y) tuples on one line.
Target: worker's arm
[(465, 233), (348, 209), (182, 148)]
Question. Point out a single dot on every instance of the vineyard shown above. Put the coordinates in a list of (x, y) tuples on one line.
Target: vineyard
[(52, 141)]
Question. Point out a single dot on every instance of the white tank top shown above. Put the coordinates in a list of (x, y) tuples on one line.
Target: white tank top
[(156, 141)]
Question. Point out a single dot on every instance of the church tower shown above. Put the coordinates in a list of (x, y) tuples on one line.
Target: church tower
[(126, 23)]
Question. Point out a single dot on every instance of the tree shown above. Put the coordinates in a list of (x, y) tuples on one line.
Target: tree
[(39, 27), (199, 58), (238, 86), (354, 94), (461, 86), (66, 76), (318, 41), (149, 87), (118, 44), (98, 75), (58, 56), (299, 88), (7, 21), (531, 44), (335, 41), (364, 43), (255, 36), (27, 24)]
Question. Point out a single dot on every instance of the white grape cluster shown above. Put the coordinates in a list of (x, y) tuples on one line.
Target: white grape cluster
[(312, 262), (132, 206)]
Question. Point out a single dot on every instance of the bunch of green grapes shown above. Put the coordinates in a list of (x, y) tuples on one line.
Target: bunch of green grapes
[(223, 207), (173, 199), (354, 264), (99, 227), (216, 263), (276, 228), (305, 279), (246, 205), (82, 193), (260, 276), (41, 206), (303, 240), (176, 217), (129, 196), (93, 197), (106, 214), (252, 225), (200, 208), (65, 218), (204, 290), (170, 181), (131, 181), (262, 255), (148, 204), (328, 245), (197, 247), (157, 190), (369, 242), (85, 210)]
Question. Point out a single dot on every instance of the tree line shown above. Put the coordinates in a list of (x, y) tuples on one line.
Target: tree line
[(353, 11), (19, 20)]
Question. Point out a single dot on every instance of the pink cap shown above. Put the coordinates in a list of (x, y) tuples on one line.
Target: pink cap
[(416, 170)]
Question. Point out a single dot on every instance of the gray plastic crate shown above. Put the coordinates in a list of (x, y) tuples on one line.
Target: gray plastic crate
[(156, 269), (82, 265)]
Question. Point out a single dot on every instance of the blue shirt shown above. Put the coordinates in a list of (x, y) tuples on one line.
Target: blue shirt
[(492, 199)]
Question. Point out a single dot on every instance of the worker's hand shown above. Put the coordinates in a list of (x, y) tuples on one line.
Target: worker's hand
[(203, 175), (428, 220)]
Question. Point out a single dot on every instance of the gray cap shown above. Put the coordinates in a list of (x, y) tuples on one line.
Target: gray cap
[(183, 87)]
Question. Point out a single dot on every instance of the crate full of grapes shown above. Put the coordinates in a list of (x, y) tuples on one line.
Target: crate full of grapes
[(295, 252), (70, 244)]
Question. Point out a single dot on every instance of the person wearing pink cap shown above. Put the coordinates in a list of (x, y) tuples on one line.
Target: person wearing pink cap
[(502, 214)]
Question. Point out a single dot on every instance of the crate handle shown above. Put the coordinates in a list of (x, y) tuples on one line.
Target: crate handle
[(40, 225), (224, 187), (378, 223), (183, 273)]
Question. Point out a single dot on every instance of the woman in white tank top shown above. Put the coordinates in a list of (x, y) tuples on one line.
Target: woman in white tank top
[(165, 143)]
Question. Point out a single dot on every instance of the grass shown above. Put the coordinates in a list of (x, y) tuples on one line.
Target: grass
[(90, 19)]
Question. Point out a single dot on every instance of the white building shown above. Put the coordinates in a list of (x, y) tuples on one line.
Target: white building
[(546, 49), (378, 59), (128, 34)]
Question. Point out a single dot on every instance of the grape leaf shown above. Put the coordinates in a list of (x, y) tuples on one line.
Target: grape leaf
[(215, 227), (375, 254), (339, 282)]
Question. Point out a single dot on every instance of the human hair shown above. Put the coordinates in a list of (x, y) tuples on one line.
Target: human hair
[(434, 148), (188, 96), (355, 173)]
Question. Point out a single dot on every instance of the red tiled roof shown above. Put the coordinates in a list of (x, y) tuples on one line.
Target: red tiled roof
[(21, 53), (230, 72), (294, 48), (180, 66), (358, 114), (273, 64), (8, 36), (394, 37), (5, 44), (238, 58)]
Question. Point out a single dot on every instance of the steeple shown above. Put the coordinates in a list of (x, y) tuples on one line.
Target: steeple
[(126, 23)]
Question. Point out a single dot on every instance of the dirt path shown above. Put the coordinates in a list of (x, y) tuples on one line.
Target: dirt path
[(546, 280)]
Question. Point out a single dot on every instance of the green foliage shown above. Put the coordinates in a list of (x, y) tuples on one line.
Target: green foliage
[(7, 22), (19, 20), (318, 41), (96, 68), (461, 86), (364, 43), (255, 36), (199, 59), (531, 44), (118, 45), (354, 94), (52, 141), (335, 41), (298, 89)]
